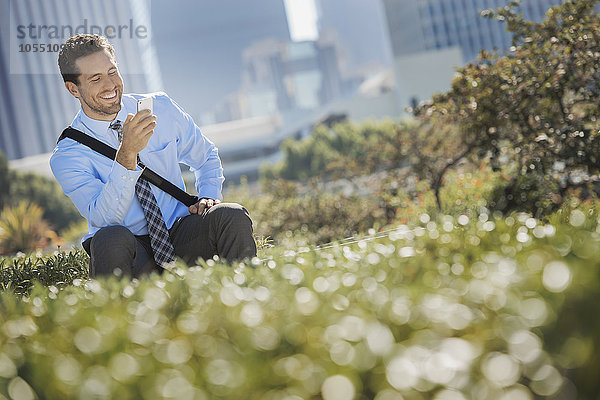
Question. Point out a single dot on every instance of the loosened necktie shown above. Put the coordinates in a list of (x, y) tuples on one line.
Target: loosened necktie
[(157, 229)]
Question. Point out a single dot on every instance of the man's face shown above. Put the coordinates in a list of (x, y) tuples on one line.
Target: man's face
[(100, 86)]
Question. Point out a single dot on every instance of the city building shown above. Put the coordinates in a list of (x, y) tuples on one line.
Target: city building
[(284, 77), (417, 26), (34, 104), (431, 38)]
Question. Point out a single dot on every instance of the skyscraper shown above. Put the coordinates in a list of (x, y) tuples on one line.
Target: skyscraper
[(34, 104), (421, 25), (431, 38)]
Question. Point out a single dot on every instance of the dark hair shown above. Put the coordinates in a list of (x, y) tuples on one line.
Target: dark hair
[(80, 46)]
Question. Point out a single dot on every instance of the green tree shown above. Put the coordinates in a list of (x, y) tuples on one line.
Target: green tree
[(532, 111)]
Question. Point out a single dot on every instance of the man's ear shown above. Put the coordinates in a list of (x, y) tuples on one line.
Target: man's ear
[(72, 88)]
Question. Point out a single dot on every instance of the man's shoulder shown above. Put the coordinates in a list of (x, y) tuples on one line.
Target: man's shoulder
[(137, 96), (67, 147), (68, 154), (161, 103)]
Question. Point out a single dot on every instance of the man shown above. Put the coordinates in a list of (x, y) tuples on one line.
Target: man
[(135, 226)]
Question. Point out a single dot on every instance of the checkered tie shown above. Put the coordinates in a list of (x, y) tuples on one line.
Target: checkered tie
[(157, 229)]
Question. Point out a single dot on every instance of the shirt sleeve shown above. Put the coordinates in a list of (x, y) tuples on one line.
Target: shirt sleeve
[(199, 153), (101, 203)]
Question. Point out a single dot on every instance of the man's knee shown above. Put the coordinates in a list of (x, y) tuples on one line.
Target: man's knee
[(113, 238), (112, 247), (231, 211), (235, 239)]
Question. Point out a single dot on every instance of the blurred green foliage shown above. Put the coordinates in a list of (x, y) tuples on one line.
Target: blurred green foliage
[(287, 212), (58, 210), (341, 150), (472, 308), (22, 228), (316, 211), (45, 192)]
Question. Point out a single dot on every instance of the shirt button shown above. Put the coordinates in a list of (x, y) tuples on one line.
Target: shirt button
[(124, 177), (116, 198), (131, 179)]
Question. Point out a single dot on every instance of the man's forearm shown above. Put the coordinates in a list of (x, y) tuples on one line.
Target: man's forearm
[(101, 203), (127, 159), (209, 179)]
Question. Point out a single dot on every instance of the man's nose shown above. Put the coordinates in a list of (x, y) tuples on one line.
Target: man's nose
[(113, 81), (107, 84)]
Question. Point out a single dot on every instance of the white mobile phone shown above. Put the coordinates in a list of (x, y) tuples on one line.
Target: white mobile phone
[(144, 104)]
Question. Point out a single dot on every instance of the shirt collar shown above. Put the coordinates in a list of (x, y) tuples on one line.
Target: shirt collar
[(100, 129)]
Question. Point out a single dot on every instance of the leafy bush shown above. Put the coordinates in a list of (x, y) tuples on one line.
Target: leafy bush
[(532, 111), (342, 150), (494, 308), (23, 229), (318, 212), (285, 210)]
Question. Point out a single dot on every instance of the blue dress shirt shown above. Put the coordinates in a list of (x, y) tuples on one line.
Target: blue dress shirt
[(104, 191)]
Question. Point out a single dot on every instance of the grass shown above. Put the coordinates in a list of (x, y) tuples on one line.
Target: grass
[(18, 274)]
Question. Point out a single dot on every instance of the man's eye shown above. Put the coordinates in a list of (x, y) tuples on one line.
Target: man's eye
[(112, 72), (95, 79)]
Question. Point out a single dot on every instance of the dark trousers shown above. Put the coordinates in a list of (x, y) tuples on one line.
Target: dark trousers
[(224, 230)]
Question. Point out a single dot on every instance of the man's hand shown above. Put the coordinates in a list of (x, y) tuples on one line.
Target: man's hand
[(137, 130), (203, 204)]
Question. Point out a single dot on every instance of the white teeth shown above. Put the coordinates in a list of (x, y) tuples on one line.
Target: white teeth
[(113, 95)]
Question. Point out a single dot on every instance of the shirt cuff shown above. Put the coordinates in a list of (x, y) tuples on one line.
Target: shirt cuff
[(210, 192), (124, 178)]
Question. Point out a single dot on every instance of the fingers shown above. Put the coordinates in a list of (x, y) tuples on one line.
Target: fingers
[(137, 130), (197, 208), (203, 204), (147, 125), (141, 120), (210, 202), (141, 115), (144, 120)]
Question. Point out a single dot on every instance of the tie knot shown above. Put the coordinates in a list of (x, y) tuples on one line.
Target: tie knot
[(116, 126)]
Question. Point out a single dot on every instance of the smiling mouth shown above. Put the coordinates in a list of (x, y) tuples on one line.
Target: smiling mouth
[(110, 96)]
